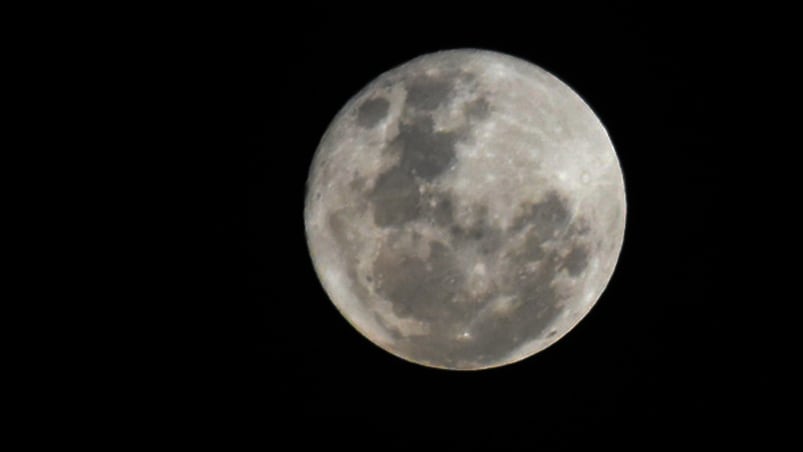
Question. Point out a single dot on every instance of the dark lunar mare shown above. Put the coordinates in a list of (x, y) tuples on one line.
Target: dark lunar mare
[(428, 93), (424, 153), (431, 289), (372, 112)]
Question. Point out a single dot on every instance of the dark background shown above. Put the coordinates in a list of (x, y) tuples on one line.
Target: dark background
[(653, 361)]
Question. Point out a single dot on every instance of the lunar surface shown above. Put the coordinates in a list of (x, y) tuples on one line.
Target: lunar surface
[(465, 210)]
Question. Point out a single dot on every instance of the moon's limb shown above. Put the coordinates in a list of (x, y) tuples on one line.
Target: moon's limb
[(465, 210)]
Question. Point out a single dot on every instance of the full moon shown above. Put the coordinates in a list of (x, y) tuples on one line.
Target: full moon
[(465, 210)]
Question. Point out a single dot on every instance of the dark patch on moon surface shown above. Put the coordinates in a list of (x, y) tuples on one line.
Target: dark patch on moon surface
[(372, 111), (395, 197), (425, 152), (478, 109), (532, 250), (536, 304), (479, 234), (549, 216), (418, 288), (577, 260), (425, 155), (428, 93), (486, 240), (433, 289)]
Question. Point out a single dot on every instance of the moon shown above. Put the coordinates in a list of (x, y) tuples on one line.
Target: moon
[(465, 210)]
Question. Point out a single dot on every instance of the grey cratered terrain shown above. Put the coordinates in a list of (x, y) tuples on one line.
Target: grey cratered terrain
[(465, 210)]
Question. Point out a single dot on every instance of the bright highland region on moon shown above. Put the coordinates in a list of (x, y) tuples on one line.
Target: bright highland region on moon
[(465, 210)]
